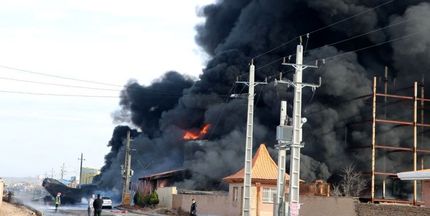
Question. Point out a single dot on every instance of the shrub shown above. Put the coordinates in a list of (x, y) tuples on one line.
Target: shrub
[(153, 200), (139, 199), (146, 199)]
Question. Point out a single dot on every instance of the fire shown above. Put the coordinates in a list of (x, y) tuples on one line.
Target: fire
[(189, 135)]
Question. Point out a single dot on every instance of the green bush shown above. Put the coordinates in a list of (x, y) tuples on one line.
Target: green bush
[(153, 200), (139, 199), (146, 199)]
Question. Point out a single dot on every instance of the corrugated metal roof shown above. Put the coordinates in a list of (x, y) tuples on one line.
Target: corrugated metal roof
[(263, 168)]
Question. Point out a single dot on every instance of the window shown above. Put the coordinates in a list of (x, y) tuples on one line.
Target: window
[(268, 194), (235, 194)]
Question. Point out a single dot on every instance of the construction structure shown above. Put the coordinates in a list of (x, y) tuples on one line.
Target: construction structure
[(414, 149)]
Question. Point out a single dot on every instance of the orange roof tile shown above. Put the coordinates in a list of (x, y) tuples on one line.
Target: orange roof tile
[(264, 169)]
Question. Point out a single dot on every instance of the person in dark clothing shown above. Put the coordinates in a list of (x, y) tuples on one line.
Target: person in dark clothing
[(97, 204), (193, 210)]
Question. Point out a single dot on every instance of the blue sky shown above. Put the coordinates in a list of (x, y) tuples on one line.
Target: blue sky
[(100, 40)]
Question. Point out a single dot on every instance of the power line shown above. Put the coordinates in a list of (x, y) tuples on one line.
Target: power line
[(324, 27), (360, 35), (57, 76), (270, 63), (56, 84), (353, 16), (129, 88), (374, 45), (161, 95), (345, 40), (58, 95), (275, 48)]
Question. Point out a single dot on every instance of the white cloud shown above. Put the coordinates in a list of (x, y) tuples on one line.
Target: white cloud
[(107, 41)]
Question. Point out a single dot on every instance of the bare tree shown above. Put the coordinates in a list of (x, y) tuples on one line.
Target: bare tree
[(336, 191), (352, 183)]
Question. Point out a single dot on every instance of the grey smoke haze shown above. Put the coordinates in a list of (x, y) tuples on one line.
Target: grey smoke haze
[(237, 30)]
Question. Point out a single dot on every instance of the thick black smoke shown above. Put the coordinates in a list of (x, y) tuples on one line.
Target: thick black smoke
[(237, 30)]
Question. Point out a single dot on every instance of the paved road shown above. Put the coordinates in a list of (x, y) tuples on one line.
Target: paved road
[(79, 211)]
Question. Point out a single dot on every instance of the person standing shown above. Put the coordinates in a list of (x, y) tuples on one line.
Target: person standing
[(90, 204), (193, 209), (57, 201), (98, 204)]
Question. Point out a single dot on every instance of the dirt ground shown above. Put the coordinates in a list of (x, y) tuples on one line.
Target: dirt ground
[(364, 209), (7, 209)]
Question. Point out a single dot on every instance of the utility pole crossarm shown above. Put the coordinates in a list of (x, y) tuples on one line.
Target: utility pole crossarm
[(255, 83), (303, 66)]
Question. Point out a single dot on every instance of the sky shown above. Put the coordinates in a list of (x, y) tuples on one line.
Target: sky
[(96, 40)]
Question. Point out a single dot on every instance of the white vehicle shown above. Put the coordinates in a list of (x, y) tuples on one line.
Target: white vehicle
[(107, 203)]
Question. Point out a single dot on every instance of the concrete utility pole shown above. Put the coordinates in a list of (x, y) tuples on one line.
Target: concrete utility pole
[(80, 168), (284, 137), (298, 121), (126, 173), (246, 204)]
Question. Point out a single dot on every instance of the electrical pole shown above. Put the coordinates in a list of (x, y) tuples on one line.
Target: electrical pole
[(296, 145), (63, 171), (126, 173), (246, 204), (284, 137), (80, 168)]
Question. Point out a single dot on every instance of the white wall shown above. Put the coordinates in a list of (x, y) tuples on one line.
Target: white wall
[(165, 195), (213, 205)]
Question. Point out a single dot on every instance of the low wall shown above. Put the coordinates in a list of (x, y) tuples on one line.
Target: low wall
[(165, 195), (323, 206), (211, 204), (425, 191), (368, 209)]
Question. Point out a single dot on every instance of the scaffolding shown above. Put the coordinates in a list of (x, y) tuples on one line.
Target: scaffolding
[(385, 147)]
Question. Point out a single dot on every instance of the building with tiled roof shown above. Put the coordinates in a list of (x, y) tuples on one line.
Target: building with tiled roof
[(263, 178), (264, 169)]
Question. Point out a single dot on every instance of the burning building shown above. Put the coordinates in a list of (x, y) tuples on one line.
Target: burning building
[(356, 39), (150, 183)]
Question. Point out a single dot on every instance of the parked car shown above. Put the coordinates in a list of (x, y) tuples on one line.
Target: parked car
[(107, 203)]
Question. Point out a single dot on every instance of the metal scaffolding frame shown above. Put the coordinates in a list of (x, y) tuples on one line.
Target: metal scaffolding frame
[(386, 147)]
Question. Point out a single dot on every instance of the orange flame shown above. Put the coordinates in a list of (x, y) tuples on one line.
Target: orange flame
[(189, 135)]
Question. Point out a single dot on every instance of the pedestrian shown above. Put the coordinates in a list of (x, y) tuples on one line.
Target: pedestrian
[(193, 210), (98, 204), (90, 204), (57, 201)]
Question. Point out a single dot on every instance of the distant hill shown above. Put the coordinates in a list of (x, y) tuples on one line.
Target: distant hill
[(29, 180)]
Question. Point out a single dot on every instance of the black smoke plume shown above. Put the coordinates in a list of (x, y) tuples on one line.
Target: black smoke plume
[(235, 31)]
